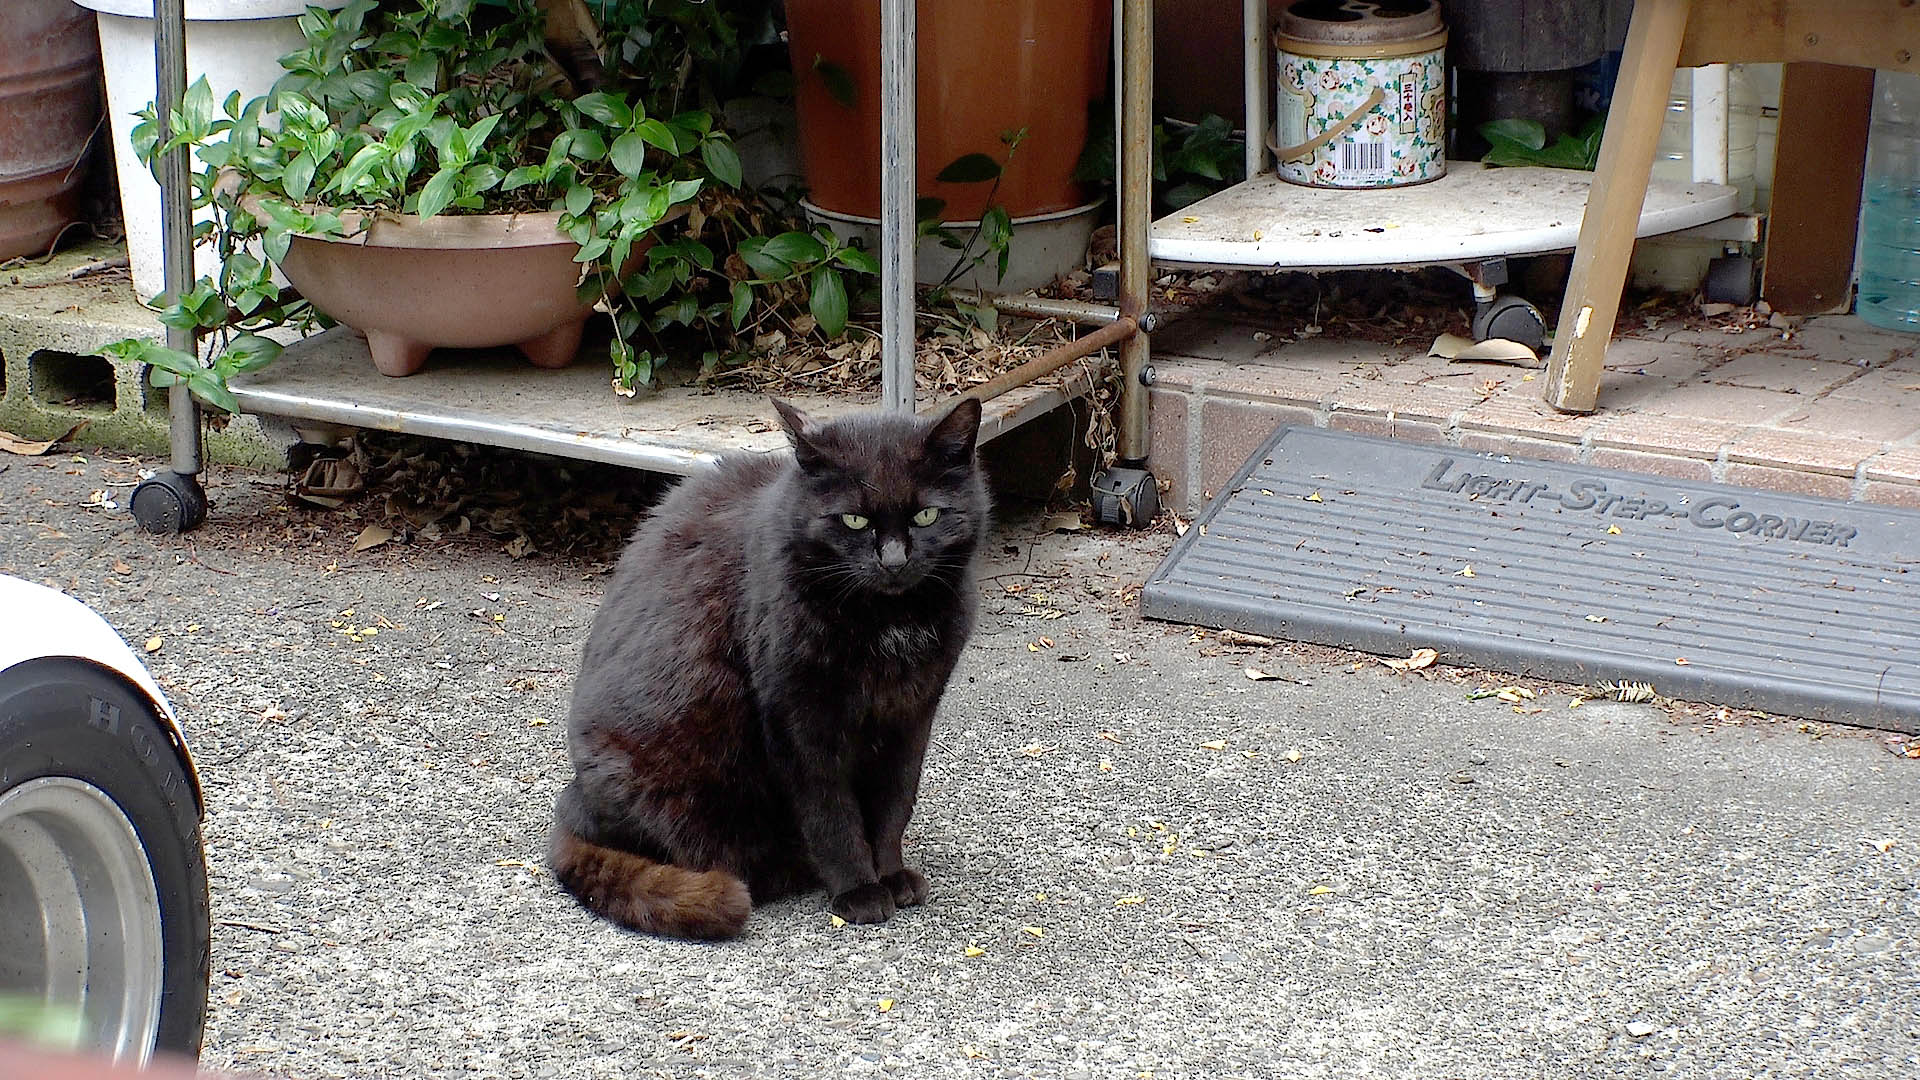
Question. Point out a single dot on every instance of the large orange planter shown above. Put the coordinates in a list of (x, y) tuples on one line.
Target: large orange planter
[(984, 67)]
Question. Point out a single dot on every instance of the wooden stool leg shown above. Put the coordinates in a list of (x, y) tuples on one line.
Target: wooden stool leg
[(1613, 206)]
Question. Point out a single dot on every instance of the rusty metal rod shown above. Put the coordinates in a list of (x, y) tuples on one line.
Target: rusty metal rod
[(1045, 364), (1041, 307)]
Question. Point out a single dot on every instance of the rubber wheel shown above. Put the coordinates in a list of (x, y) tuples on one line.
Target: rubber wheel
[(69, 733), (1731, 279), (1512, 318)]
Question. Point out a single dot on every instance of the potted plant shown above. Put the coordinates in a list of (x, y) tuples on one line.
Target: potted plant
[(436, 153), (1003, 89)]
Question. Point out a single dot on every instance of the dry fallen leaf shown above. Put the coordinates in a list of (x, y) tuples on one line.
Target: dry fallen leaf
[(14, 444), (1319, 890), (974, 950), (1068, 521), (1257, 675), (1034, 930), (1421, 658), (1613, 530), (1217, 744), (1314, 497), (837, 921), (153, 644), (1038, 749), (1129, 901), (372, 537), (886, 1004)]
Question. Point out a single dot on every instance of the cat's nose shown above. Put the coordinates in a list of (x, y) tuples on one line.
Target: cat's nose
[(893, 554)]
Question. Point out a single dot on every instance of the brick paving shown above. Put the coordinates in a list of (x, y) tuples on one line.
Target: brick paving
[(1831, 409)]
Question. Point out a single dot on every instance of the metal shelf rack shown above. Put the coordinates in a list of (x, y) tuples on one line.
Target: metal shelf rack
[(570, 413)]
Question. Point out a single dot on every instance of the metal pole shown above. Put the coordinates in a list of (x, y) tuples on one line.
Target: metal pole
[(176, 222), (897, 118), (1253, 48), (1135, 28), (1712, 109)]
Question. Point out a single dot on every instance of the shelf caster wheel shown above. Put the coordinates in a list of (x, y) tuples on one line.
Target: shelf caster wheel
[(1731, 279), (169, 503), (1127, 498), (1512, 318)]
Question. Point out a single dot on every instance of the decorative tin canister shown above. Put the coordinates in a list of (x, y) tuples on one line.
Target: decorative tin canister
[(1362, 93)]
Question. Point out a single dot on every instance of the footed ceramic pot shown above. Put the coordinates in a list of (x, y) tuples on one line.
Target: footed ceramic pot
[(413, 285)]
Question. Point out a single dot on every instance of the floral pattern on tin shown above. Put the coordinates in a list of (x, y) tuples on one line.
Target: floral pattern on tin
[(1396, 141)]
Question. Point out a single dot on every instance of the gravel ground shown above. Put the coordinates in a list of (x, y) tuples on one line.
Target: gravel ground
[(1144, 863)]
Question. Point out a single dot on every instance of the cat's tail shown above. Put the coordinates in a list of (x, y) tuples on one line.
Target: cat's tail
[(641, 894)]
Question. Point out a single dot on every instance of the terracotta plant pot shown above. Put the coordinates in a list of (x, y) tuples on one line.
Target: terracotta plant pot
[(984, 67), (49, 106), (415, 284)]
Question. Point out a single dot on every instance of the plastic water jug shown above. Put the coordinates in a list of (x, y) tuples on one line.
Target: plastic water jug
[(1890, 207)]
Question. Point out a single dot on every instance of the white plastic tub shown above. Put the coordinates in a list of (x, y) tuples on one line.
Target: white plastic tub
[(236, 44)]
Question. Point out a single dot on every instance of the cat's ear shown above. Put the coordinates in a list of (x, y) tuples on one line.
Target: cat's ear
[(952, 437), (801, 430)]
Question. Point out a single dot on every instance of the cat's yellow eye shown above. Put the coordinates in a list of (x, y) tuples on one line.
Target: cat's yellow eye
[(853, 521), (927, 516)]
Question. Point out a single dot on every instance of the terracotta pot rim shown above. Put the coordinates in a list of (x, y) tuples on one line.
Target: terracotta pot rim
[(463, 232), (1023, 219)]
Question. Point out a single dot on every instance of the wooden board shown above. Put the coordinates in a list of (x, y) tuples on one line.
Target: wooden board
[(1815, 216)]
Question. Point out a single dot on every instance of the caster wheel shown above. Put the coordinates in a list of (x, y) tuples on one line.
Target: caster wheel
[(1125, 497), (1731, 279), (1511, 318), (169, 503)]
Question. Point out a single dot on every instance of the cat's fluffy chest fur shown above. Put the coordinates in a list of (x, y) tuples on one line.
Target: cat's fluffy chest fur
[(758, 688)]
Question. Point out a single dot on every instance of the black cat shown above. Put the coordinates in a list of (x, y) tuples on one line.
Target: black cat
[(759, 686)]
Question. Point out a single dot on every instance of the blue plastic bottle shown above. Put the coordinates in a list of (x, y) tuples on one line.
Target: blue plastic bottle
[(1890, 213)]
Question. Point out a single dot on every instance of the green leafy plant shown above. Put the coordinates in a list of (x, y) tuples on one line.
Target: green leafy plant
[(990, 238), (1524, 142), (433, 107), (1190, 161)]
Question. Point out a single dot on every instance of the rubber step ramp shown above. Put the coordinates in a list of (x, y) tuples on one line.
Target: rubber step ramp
[(1732, 596)]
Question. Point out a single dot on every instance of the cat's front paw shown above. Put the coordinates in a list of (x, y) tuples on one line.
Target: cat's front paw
[(869, 903), (909, 886)]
